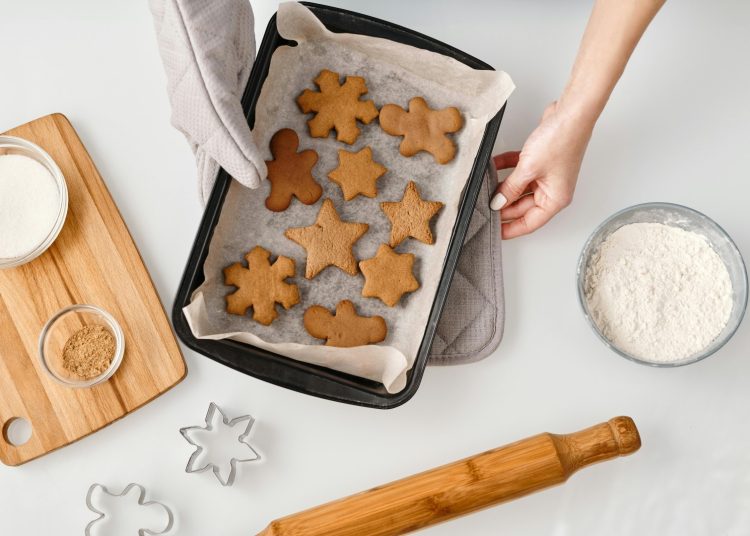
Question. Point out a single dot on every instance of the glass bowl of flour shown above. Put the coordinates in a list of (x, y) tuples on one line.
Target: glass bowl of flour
[(33, 201), (662, 284)]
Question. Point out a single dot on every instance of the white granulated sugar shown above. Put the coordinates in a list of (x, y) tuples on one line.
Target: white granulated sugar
[(29, 204), (658, 292)]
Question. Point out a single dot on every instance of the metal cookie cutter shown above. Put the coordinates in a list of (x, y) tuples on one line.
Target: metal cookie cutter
[(141, 501), (213, 422)]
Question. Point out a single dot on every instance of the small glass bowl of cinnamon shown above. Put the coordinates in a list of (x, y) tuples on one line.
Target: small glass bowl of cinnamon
[(81, 346)]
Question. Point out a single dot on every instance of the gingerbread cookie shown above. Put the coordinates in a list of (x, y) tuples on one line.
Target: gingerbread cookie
[(261, 285), (357, 173), (290, 172), (411, 216), (337, 106), (388, 275), (328, 241), (346, 328), (423, 128)]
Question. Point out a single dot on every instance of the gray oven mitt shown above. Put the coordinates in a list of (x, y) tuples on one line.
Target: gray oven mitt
[(208, 48), (471, 325)]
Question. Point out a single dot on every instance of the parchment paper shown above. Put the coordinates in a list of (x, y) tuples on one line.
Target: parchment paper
[(394, 73)]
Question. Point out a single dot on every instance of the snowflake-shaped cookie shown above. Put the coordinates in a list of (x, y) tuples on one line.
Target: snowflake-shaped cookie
[(261, 285), (337, 106)]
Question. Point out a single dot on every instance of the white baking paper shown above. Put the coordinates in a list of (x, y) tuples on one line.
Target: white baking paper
[(394, 73)]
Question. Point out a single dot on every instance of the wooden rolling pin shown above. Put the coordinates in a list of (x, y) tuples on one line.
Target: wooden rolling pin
[(465, 486)]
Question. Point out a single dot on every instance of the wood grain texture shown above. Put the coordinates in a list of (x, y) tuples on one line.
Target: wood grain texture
[(93, 260), (465, 486)]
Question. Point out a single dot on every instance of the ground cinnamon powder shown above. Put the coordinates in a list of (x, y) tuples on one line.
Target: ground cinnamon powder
[(89, 352)]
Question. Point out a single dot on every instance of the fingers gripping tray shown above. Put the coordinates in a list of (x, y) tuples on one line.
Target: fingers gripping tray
[(269, 365)]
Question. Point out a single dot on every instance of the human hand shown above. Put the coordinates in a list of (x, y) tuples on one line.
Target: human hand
[(545, 174)]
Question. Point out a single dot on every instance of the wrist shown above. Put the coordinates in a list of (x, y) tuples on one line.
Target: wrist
[(584, 108)]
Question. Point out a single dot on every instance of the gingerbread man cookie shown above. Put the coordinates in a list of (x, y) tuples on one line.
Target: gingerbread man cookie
[(411, 216), (388, 275), (423, 128), (290, 172), (337, 106), (328, 241), (357, 173), (261, 285), (346, 328)]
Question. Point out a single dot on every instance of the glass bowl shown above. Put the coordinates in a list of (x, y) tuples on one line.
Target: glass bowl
[(690, 220), (61, 327), (14, 145)]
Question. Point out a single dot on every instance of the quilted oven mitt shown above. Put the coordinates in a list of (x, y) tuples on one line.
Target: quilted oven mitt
[(208, 48)]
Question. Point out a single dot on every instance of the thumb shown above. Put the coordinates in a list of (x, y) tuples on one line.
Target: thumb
[(208, 169), (510, 189)]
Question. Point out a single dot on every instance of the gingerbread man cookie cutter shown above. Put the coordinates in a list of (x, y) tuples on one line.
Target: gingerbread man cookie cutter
[(89, 531), (212, 423)]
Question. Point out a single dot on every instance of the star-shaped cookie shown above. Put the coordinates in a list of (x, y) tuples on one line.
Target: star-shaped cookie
[(388, 275), (423, 128), (328, 241), (290, 172), (357, 173), (338, 106), (411, 216)]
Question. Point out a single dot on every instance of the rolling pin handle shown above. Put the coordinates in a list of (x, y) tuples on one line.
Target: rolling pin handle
[(626, 434), (616, 437)]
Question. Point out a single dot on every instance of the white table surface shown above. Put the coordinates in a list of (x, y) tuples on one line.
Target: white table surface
[(677, 129)]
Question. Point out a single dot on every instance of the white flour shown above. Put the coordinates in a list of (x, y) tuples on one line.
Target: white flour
[(29, 204), (658, 292)]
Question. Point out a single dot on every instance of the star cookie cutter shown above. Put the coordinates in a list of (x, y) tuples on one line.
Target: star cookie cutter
[(211, 424), (141, 502)]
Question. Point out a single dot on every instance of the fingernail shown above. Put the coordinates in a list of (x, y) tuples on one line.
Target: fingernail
[(498, 201)]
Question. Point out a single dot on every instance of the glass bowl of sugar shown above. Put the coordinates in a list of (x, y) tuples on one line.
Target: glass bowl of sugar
[(33, 201), (662, 284)]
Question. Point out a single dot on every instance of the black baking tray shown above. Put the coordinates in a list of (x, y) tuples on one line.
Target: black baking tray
[(274, 368)]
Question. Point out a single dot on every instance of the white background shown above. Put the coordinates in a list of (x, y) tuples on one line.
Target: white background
[(677, 129)]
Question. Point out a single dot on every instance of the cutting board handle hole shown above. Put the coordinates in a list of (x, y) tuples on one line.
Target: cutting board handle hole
[(17, 431)]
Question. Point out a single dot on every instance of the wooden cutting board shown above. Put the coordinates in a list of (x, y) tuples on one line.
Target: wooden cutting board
[(93, 260)]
